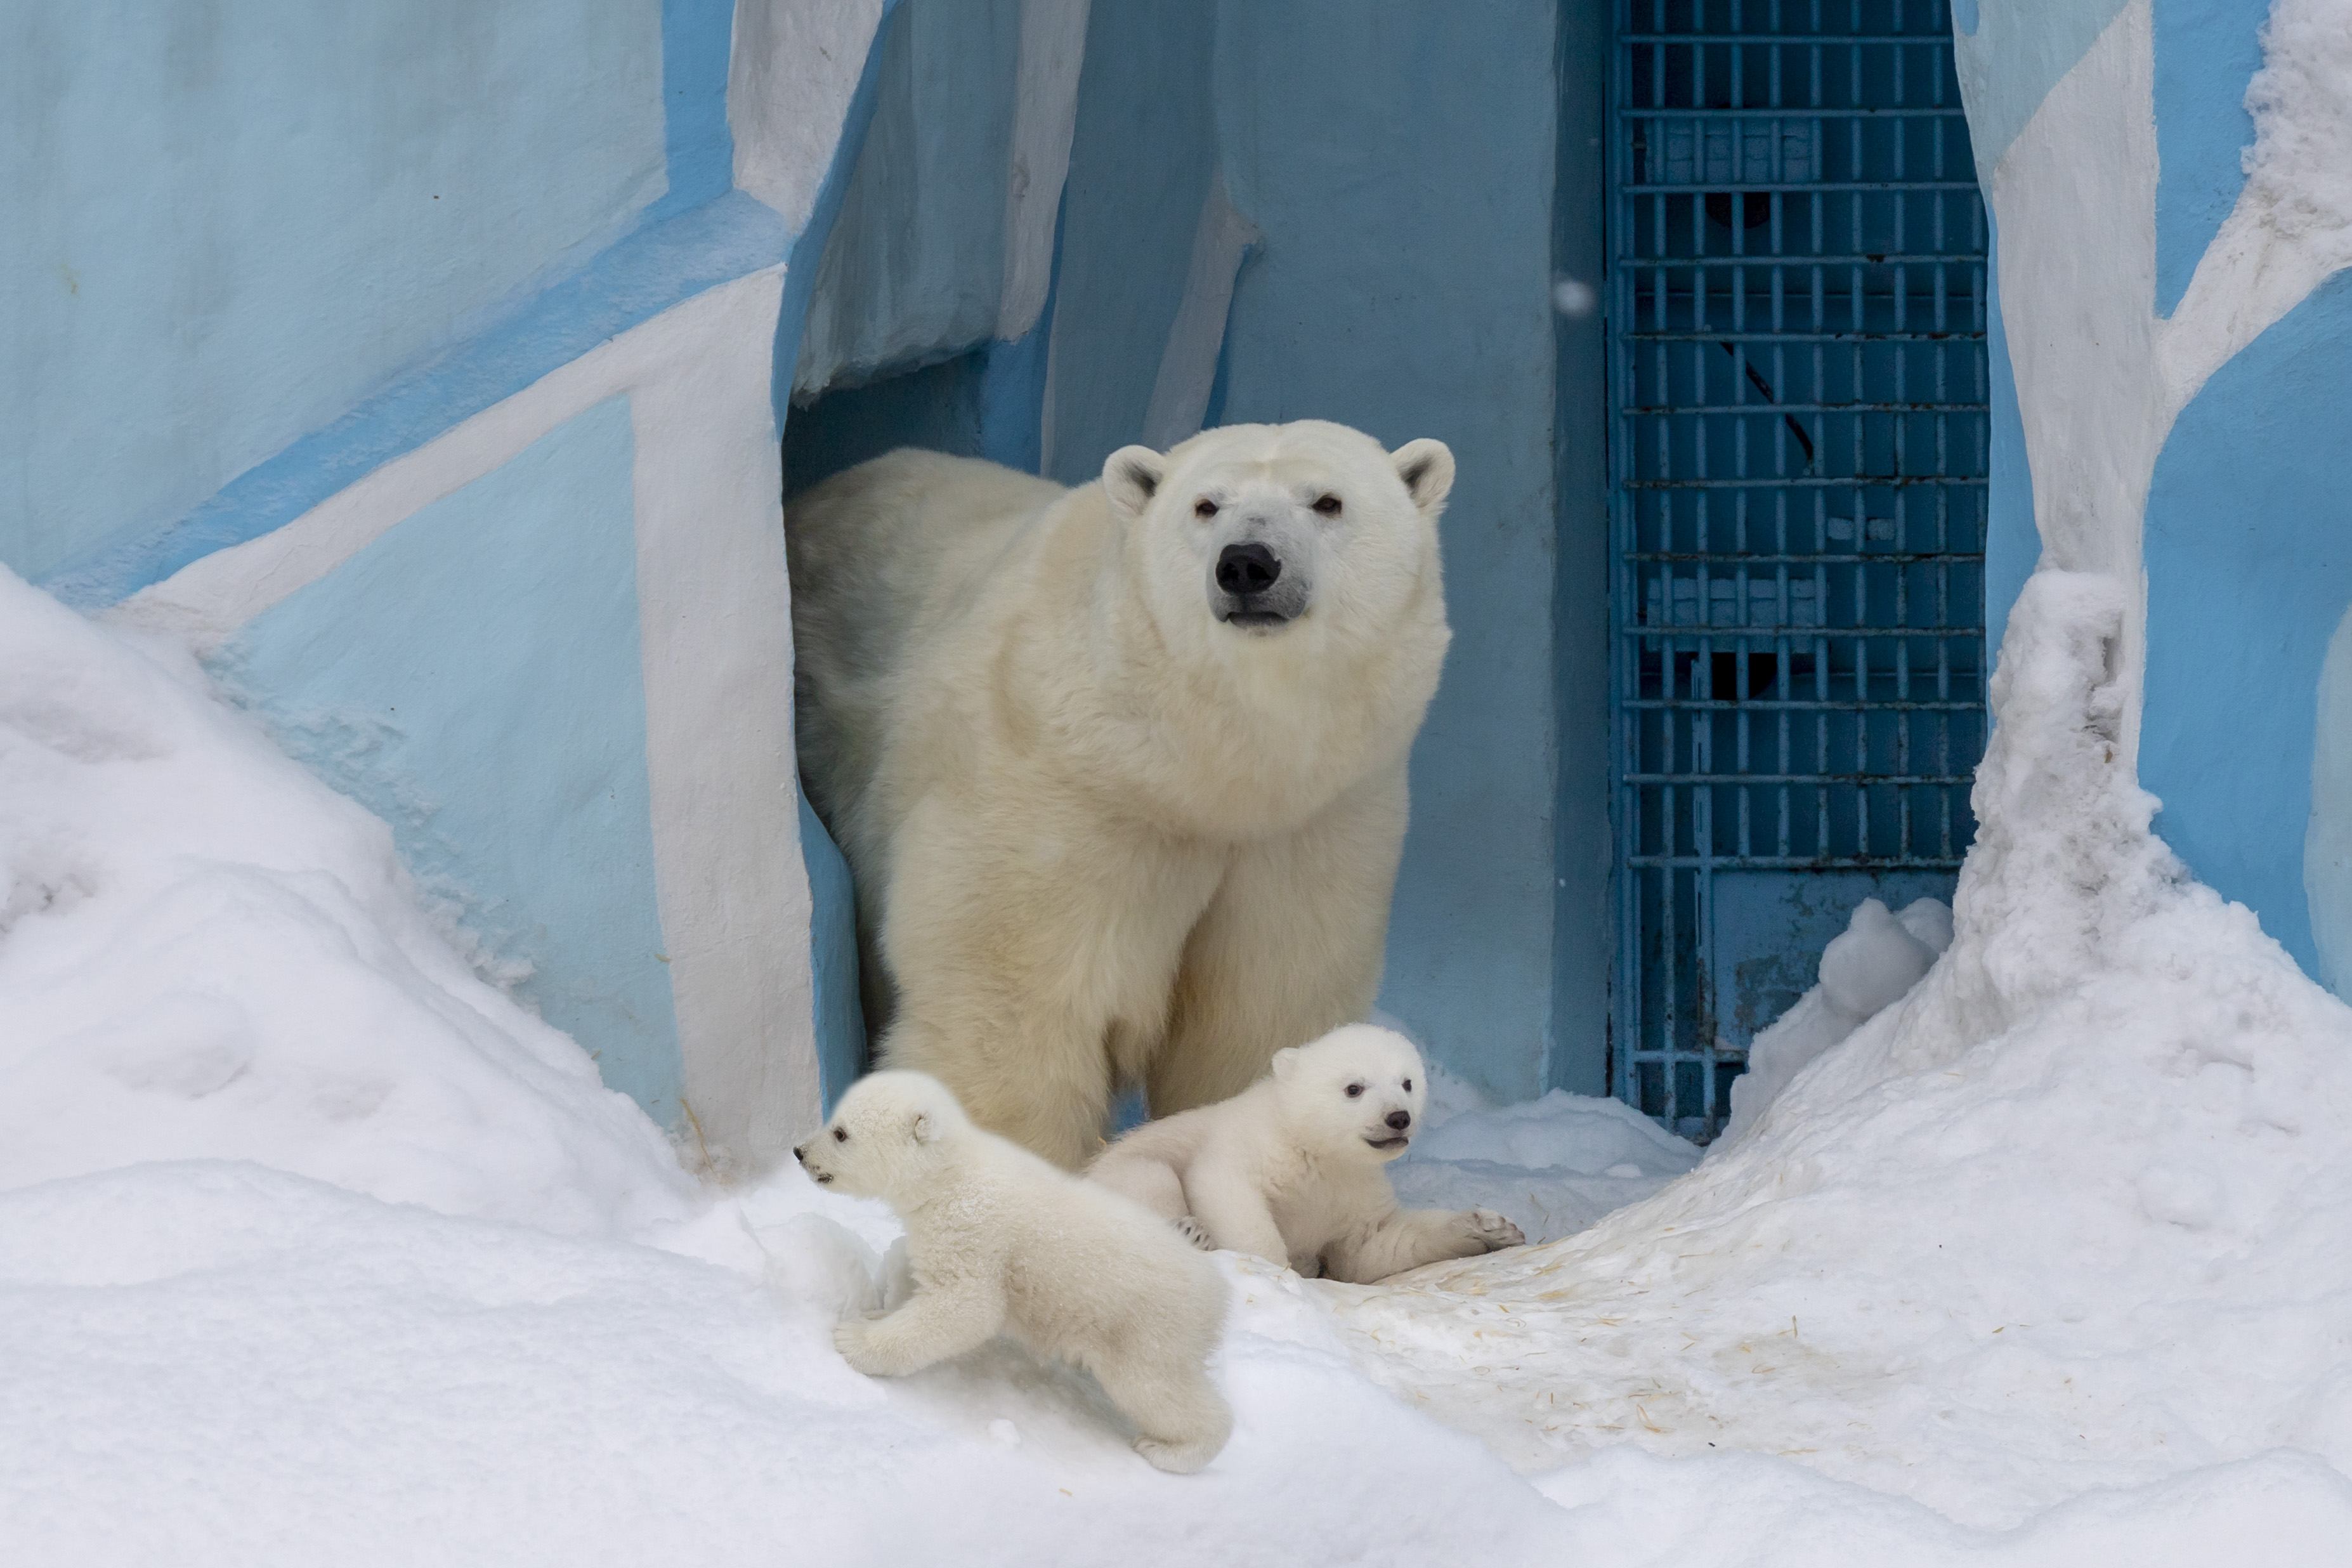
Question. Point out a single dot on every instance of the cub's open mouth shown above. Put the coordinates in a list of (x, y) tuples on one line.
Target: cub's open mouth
[(825, 1180), (1399, 1141), (1258, 620)]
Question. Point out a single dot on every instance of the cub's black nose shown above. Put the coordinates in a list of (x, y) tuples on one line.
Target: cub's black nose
[(1399, 1120), (1247, 569), (798, 1154)]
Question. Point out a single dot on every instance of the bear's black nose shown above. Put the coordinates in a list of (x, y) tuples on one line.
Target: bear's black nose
[(799, 1152), (1399, 1120), (1243, 569)]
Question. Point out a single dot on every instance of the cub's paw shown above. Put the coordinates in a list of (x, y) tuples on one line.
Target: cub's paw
[(1192, 1230), (1490, 1231), (1176, 1458), (852, 1337)]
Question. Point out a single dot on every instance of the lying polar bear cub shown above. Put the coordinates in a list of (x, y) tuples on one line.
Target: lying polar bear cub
[(1001, 1242), (1291, 1168)]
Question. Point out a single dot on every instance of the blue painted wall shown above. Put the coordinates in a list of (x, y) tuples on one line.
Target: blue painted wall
[(473, 678), (1584, 921), (228, 224), (2249, 552), (2012, 540), (1398, 157), (2205, 50), (913, 265), (1141, 157)]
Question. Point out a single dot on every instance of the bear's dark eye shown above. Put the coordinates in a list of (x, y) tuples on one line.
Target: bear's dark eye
[(1328, 505), (841, 1135), (1354, 1090), (1408, 1086), (1204, 507)]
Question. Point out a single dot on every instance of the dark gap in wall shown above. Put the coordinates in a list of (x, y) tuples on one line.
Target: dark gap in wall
[(935, 406)]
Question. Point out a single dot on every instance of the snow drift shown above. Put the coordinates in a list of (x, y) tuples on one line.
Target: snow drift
[(206, 954), (2075, 1213)]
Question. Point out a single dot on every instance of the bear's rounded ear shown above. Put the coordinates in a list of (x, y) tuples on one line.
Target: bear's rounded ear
[(923, 1129), (1426, 467), (1131, 478), (1285, 1061)]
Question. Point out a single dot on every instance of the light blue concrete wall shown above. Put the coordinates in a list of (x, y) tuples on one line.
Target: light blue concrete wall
[(913, 265), (249, 255), (1141, 157), (1399, 159), (2205, 51), (2013, 541), (1584, 923), (226, 224), (2249, 551), (473, 677)]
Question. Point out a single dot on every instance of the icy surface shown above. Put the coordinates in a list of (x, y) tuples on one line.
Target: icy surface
[(315, 1249)]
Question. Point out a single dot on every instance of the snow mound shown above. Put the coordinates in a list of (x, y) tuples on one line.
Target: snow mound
[(206, 954), (1552, 1166), (1866, 969), (2075, 1213), (1575, 1131), (256, 1368)]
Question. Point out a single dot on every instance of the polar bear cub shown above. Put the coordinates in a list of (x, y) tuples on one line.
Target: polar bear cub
[(1001, 1242), (1293, 1168)]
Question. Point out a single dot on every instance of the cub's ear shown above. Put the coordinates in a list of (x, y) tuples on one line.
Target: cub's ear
[(924, 1129), (1426, 467), (1286, 1062), (1131, 478)]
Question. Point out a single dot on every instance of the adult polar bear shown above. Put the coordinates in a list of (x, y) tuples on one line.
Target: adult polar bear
[(1119, 769)]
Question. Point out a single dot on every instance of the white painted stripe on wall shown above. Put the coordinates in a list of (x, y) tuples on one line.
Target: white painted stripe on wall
[(1188, 366), (714, 608), (793, 68), (715, 621), (1044, 118)]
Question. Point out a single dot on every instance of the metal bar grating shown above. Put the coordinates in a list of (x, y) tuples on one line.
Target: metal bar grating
[(1799, 440)]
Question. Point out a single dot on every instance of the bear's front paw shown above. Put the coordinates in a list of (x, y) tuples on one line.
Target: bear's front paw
[(1193, 1230), (1490, 1230), (851, 1337)]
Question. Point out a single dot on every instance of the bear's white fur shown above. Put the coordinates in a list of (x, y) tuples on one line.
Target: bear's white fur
[(998, 1241), (1110, 820), (1294, 1169)]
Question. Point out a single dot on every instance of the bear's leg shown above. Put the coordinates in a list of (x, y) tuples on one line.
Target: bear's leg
[(1410, 1237), (932, 1327), (1181, 1419), (1041, 1082), (1288, 949), (1017, 951), (1151, 1183)]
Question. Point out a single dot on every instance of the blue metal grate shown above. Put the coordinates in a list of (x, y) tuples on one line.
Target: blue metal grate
[(1798, 450)]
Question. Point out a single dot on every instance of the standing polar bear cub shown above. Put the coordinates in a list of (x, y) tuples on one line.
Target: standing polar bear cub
[(1000, 1242), (1295, 1169), (1119, 769)]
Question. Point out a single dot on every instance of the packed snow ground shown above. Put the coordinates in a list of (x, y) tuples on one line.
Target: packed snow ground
[(316, 1247)]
